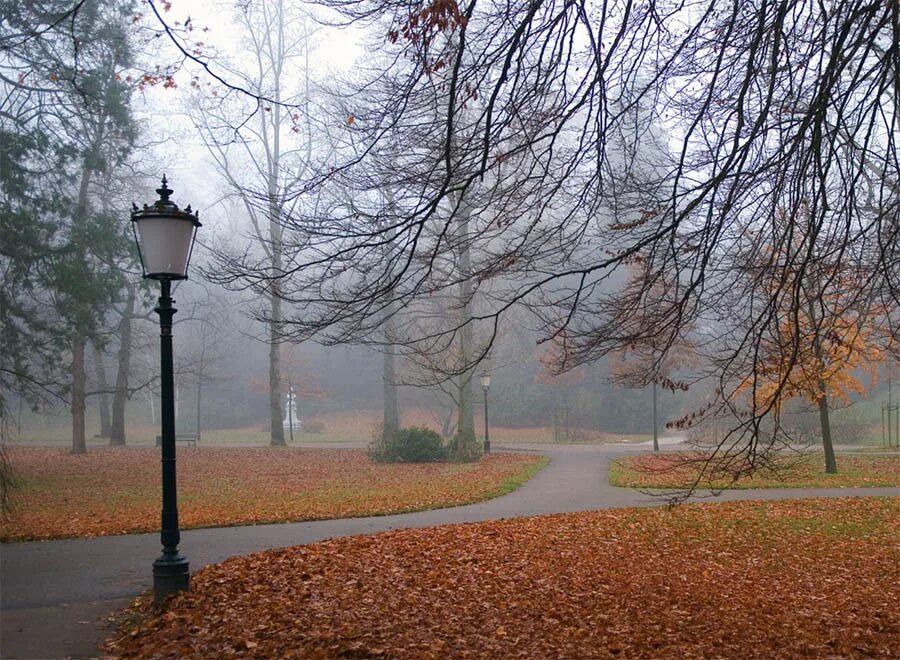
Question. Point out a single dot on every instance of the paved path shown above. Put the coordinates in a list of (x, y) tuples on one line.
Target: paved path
[(55, 595)]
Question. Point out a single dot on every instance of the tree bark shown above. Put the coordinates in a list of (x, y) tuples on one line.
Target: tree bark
[(200, 388), (391, 422), (830, 460), (391, 412), (448, 426), (79, 377), (7, 481), (120, 398), (275, 410), (822, 399), (466, 444), (103, 386), (275, 236), (79, 446), (273, 163)]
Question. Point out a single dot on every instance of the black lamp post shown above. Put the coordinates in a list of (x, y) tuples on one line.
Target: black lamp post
[(485, 379), (165, 239)]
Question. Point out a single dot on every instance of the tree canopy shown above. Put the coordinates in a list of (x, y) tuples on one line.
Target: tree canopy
[(581, 139), (612, 176)]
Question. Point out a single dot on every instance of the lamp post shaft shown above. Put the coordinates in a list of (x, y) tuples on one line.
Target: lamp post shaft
[(171, 571), (487, 437)]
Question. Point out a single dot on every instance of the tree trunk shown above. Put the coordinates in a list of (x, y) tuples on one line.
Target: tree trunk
[(825, 422), (273, 163), (200, 388), (391, 423), (391, 413), (448, 426), (275, 237), (120, 398), (466, 445), (79, 377), (655, 423), (79, 446), (830, 461), (275, 411), (103, 386)]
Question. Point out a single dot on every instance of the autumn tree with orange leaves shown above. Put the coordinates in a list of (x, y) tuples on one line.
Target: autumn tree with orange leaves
[(823, 342), (801, 359)]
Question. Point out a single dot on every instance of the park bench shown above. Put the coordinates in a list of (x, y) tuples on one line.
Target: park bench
[(180, 437)]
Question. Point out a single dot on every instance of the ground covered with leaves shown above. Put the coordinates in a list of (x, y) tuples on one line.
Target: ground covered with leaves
[(117, 490), (801, 578), (679, 470)]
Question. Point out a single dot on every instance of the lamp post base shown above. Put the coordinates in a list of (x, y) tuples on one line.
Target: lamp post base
[(171, 574), (487, 446)]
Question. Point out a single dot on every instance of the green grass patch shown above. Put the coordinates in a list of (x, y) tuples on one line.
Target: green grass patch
[(514, 481)]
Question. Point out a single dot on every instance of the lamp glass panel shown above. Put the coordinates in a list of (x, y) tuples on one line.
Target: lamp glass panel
[(165, 245), (485, 380)]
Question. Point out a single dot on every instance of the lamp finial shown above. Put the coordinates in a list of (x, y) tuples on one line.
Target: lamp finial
[(164, 193)]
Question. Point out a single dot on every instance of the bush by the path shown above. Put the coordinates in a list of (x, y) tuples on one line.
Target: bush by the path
[(678, 470), (412, 445), (117, 490), (808, 578)]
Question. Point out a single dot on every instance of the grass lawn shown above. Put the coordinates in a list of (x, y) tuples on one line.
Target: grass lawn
[(681, 470), (807, 578), (117, 490)]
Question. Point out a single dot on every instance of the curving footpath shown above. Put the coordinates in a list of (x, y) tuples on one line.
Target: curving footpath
[(55, 596)]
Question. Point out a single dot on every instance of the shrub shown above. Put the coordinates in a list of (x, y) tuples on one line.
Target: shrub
[(412, 445)]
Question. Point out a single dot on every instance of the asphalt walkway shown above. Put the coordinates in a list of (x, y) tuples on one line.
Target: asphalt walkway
[(55, 596)]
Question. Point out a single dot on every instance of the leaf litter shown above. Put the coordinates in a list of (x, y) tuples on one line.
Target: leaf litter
[(794, 578)]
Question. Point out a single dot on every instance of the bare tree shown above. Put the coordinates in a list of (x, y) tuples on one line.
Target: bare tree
[(263, 157), (767, 108)]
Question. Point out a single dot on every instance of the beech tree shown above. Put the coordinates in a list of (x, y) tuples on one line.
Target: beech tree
[(821, 339)]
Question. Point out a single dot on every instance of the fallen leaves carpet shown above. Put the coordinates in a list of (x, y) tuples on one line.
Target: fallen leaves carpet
[(688, 469), (794, 578), (117, 490)]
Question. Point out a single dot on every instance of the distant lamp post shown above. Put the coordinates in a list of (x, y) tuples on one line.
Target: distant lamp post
[(485, 379), (165, 239)]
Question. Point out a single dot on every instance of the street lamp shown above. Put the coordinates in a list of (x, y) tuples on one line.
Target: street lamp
[(165, 238), (485, 386)]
